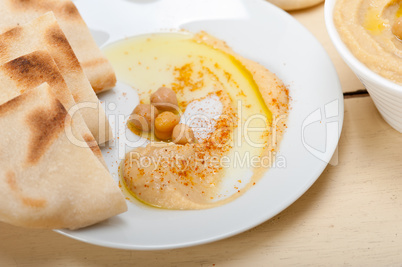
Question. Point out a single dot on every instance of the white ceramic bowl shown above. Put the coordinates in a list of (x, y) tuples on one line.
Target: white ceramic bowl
[(387, 96)]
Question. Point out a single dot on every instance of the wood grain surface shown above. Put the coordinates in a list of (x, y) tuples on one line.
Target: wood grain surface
[(350, 217)]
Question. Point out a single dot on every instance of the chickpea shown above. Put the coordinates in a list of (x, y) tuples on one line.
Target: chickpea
[(143, 117), (166, 121), (163, 135), (397, 28), (165, 99), (183, 134)]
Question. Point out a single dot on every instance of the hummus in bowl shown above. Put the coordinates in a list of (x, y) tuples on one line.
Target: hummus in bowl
[(363, 32), (370, 29)]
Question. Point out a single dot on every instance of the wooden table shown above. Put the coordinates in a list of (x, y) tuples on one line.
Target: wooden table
[(352, 216)]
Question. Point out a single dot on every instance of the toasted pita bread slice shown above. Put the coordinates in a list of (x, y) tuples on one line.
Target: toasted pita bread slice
[(28, 72), (45, 180), (96, 66), (45, 33)]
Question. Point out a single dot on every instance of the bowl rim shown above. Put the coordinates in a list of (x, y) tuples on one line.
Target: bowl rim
[(356, 65)]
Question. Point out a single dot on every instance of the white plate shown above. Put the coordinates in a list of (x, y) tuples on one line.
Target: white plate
[(256, 30)]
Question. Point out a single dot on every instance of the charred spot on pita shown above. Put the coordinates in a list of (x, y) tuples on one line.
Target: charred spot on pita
[(12, 33), (91, 142), (6, 37), (3, 49), (27, 201), (66, 57), (33, 202), (11, 181), (32, 69), (70, 10), (45, 126)]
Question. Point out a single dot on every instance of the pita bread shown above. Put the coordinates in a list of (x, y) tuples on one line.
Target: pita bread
[(30, 71), (45, 34), (295, 4), (45, 180), (97, 68)]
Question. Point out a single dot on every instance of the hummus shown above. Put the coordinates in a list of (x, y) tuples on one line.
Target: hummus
[(236, 108), (365, 26)]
